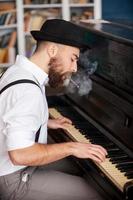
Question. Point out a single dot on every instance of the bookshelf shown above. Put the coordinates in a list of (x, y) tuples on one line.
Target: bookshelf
[(8, 35), (91, 8), (30, 13)]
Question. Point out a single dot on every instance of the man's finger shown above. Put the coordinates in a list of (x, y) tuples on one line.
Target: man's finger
[(65, 120), (100, 148)]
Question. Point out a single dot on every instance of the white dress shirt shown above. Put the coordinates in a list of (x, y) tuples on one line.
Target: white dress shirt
[(23, 109)]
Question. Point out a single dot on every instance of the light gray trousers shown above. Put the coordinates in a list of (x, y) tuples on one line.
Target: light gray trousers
[(45, 183)]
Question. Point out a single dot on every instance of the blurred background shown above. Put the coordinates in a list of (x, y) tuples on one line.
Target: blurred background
[(18, 18)]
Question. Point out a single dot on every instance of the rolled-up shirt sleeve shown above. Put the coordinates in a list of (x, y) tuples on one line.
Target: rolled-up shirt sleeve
[(23, 119)]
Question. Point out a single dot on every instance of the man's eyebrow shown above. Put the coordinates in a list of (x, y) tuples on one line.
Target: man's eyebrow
[(77, 57)]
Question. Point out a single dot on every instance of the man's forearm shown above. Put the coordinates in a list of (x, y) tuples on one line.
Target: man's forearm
[(40, 154)]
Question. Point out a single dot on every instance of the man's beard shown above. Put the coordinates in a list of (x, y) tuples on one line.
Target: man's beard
[(56, 77)]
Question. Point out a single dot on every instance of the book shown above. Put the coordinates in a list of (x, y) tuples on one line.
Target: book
[(3, 55), (27, 19), (7, 6), (11, 55), (42, 1), (4, 39), (12, 39), (36, 22), (7, 47), (79, 1), (8, 17), (27, 1), (3, 18), (7, 55), (78, 14)]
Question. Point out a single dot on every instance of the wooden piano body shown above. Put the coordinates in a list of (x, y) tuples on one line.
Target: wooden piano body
[(105, 115)]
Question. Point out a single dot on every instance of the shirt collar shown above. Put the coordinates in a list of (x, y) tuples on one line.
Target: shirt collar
[(38, 73)]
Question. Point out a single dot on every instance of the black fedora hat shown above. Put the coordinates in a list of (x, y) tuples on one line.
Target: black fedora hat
[(63, 32)]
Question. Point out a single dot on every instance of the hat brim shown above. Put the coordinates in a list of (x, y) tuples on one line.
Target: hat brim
[(41, 36)]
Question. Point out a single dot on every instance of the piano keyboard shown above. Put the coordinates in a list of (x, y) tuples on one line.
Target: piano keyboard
[(114, 171)]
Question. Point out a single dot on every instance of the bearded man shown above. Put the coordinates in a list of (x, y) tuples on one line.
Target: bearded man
[(24, 120)]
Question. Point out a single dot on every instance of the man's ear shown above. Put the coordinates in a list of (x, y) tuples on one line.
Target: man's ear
[(52, 50)]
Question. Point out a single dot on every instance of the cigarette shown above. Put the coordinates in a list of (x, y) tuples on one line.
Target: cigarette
[(74, 83)]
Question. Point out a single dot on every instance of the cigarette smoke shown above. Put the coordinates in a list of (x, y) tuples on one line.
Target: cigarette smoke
[(86, 67)]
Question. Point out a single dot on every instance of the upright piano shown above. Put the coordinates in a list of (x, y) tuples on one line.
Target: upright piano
[(105, 115)]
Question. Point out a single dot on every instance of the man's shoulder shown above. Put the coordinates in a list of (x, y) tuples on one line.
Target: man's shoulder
[(14, 73)]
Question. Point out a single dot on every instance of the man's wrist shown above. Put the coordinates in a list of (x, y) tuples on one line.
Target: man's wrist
[(70, 148)]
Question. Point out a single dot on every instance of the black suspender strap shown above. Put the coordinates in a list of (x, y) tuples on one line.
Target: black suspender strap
[(19, 82), (37, 134)]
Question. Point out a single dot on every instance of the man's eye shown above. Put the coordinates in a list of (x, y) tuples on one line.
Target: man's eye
[(72, 59)]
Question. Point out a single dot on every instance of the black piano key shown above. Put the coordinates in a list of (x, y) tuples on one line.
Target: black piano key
[(96, 139), (113, 149), (125, 167), (95, 135), (130, 176), (116, 153), (84, 125), (71, 114), (103, 143), (117, 157), (109, 145), (97, 143), (119, 160), (100, 140), (90, 134), (65, 113), (127, 162), (87, 130), (129, 173)]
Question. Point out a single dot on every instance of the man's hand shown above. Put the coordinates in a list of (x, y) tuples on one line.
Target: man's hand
[(84, 150), (61, 122)]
